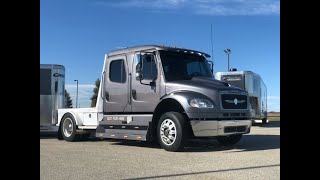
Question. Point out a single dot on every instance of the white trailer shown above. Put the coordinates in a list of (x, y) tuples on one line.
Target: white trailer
[(253, 83), (52, 82)]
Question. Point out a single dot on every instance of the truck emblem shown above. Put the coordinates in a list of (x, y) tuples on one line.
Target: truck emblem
[(235, 101)]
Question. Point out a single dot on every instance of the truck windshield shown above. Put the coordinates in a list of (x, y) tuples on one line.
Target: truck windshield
[(183, 66)]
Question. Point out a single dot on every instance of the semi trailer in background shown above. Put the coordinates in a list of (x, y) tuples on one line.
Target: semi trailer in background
[(257, 90), (52, 82)]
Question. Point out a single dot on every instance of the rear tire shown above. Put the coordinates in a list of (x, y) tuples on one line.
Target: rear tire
[(68, 128), (229, 140), (172, 131)]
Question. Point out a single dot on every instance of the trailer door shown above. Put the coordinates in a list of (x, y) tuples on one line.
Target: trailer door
[(46, 98)]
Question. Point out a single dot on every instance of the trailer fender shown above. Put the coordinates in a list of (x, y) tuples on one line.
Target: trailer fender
[(76, 117)]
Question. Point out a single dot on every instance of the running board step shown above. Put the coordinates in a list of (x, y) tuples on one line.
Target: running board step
[(104, 131)]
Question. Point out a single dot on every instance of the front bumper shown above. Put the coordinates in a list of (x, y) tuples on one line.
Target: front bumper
[(211, 128)]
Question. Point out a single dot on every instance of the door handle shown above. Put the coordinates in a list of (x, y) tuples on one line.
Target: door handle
[(107, 95), (102, 84), (56, 86), (134, 94)]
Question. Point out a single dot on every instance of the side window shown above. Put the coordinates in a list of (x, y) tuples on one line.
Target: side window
[(45, 82), (255, 85), (149, 66), (117, 72)]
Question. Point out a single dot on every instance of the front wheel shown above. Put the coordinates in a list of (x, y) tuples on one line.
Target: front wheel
[(229, 140), (68, 128), (172, 131)]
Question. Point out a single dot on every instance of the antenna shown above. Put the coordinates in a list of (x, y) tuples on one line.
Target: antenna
[(212, 49)]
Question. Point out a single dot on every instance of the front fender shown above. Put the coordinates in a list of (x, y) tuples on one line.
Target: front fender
[(183, 98)]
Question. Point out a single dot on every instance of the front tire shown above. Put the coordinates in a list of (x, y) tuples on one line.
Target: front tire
[(172, 131), (229, 140), (68, 128)]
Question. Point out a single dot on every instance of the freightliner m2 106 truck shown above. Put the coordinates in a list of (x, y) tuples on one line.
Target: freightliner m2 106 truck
[(162, 94)]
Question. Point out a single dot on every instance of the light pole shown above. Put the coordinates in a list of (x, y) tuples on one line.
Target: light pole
[(228, 52), (77, 94)]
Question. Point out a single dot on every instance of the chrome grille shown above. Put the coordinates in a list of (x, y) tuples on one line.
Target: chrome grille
[(234, 101)]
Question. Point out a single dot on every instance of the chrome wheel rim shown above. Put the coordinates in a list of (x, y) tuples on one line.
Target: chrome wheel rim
[(168, 132), (67, 127)]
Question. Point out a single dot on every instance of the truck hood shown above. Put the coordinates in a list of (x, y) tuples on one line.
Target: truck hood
[(198, 83)]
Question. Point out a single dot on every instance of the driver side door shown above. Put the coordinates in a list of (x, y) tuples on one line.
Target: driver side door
[(145, 97)]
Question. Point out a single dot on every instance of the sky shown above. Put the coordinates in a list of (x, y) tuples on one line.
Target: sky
[(78, 33)]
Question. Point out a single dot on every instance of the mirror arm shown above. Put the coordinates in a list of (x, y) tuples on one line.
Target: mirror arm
[(211, 63), (143, 83)]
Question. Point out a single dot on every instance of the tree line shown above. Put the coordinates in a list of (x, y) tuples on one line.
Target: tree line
[(69, 103)]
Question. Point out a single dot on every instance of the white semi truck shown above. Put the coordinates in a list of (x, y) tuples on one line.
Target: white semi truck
[(162, 94)]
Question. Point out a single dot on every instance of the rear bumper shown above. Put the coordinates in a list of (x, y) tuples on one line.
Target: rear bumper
[(211, 128)]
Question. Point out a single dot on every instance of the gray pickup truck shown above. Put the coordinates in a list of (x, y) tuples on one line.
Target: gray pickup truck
[(162, 94)]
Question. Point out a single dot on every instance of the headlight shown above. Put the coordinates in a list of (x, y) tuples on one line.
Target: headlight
[(200, 103)]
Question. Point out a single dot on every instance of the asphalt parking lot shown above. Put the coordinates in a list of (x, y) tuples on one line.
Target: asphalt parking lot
[(256, 156)]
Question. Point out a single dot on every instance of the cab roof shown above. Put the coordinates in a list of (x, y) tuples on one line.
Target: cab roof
[(157, 47)]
